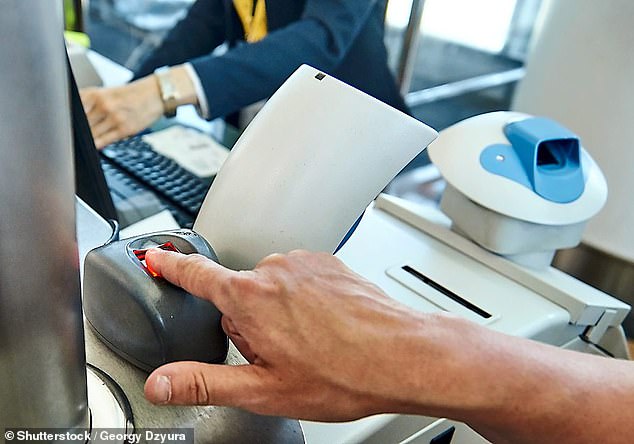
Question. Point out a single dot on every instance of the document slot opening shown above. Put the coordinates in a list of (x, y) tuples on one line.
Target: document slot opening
[(450, 294)]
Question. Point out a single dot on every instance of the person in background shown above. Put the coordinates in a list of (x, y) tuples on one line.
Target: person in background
[(267, 40), (325, 344)]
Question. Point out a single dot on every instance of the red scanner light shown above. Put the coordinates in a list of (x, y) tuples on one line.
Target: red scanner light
[(140, 255)]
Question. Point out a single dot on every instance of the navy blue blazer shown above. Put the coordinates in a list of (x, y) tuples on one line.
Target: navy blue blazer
[(341, 37)]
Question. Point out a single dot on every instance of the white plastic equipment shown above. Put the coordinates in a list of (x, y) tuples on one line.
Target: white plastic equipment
[(305, 169), (580, 71), (526, 222)]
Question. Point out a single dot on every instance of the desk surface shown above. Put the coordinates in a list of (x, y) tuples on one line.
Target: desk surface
[(211, 424)]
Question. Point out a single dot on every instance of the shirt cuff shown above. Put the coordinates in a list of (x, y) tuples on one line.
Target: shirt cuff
[(203, 106)]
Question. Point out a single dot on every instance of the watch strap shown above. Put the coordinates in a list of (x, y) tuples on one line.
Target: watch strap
[(169, 93)]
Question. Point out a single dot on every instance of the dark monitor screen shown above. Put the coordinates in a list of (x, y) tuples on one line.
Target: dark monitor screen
[(90, 182)]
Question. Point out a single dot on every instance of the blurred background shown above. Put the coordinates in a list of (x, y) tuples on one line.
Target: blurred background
[(453, 58)]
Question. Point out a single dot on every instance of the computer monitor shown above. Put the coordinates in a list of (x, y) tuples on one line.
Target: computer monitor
[(90, 182)]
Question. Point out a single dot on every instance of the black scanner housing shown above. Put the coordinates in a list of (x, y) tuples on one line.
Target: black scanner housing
[(145, 319)]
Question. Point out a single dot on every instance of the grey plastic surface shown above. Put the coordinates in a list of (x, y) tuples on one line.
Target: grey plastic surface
[(211, 424), (146, 319)]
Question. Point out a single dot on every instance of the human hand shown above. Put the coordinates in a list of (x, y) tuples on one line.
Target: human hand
[(115, 113), (323, 343)]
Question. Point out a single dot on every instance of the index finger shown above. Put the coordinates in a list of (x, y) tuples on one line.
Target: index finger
[(195, 273)]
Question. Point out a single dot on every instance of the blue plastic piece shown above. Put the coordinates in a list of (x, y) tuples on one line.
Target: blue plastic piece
[(543, 156), (349, 233)]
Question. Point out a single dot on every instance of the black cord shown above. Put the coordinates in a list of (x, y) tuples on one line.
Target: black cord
[(115, 231)]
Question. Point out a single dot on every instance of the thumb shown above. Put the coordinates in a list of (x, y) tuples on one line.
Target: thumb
[(195, 383)]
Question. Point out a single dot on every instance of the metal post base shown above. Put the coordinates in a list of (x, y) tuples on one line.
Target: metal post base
[(109, 406)]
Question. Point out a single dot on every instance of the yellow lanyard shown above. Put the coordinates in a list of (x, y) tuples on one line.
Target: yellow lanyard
[(253, 21)]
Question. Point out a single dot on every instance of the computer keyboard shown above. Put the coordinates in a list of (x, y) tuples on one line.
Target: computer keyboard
[(132, 169), (131, 201)]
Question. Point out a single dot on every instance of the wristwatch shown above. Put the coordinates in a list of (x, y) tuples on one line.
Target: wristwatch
[(169, 93)]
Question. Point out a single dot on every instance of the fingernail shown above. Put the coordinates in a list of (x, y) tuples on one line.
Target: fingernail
[(162, 390)]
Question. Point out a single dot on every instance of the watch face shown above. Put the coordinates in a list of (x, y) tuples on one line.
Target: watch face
[(169, 94)]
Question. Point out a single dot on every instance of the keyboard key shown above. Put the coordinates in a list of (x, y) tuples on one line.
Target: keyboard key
[(176, 188)]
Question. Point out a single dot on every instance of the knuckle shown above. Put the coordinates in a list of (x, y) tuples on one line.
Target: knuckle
[(117, 118), (187, 268), (272, 287), (248, 286), (325, 256), (103, 103), (237, 284), (272, 259), (197, 389), (195, 259), (192, 260), (243, 285)]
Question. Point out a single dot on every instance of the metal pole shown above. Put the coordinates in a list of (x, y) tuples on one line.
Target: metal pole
[(411, 38), (42, 355), (79, 8), (453, 89)]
